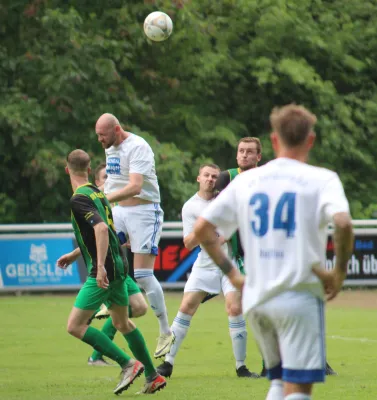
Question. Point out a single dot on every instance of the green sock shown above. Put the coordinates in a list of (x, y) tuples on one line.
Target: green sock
[(105, 346), (139, 349), (109, 330)]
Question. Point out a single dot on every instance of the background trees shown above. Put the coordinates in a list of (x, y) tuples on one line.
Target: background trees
[(227, 64)]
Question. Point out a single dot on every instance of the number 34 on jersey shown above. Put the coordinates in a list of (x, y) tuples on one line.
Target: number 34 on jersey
[(283, 214)]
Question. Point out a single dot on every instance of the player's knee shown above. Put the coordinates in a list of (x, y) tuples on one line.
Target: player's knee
[(233, 309), (188, 307), (139, 309), (73, 329)]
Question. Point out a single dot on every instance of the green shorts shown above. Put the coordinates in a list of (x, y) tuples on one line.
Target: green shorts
[(90, 296), (132, 289)]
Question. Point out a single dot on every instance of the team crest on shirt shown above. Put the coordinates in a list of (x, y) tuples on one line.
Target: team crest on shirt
[(113, 166)]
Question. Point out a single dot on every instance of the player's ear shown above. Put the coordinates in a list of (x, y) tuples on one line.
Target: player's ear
[(311, 139), (274, 141), (197, 178), (66, 170)]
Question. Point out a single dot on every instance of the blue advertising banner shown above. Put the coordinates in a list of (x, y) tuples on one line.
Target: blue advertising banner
[(30, 264)]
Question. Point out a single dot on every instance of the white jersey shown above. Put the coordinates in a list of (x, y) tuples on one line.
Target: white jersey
[(282, 210), (133, 155), (190, 212)]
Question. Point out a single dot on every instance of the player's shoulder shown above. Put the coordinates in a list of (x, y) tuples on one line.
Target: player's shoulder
[(137, 141), (191, 202), (319, 174)]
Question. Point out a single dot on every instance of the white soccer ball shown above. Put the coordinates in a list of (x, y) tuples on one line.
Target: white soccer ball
[(158, 26)]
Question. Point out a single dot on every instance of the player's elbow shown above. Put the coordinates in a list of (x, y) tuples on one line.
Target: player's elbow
[(188, 243), (101, 229), (343, 222), (136, 189)]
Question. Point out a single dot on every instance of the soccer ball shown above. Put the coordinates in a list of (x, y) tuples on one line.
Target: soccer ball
[(158, 26)]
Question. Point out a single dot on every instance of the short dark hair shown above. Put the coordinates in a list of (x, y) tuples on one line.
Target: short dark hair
[(78, 161), (98, 169), (292, 123), (211, 165), (251, 139)]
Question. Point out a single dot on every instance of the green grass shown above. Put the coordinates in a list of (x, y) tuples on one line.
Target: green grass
[(39, 360)]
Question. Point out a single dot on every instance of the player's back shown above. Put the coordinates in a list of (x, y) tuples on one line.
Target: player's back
[(283, 209), (90, 206)]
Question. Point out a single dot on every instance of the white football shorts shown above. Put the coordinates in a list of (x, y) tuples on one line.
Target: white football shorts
[(211, 281), (290, 332), (141, 224)]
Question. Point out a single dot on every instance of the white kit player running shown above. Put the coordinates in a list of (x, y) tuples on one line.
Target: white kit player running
[(206, 279), (282, 210), (132, 184)]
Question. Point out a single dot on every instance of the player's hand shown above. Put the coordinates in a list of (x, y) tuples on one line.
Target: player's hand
[(236, 278), (127, 245), (102, 280), (332, 281), (65, 260)]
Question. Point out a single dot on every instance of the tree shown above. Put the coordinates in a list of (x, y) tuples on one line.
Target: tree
[(216, 79)]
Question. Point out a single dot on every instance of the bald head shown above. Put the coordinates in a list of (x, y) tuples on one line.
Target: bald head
[(78, 162), (107, 121), (109, 131)]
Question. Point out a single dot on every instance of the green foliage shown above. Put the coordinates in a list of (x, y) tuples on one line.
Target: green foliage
[(227, 64)]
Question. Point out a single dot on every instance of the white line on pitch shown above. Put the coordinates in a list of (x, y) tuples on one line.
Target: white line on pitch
[(350, 339)]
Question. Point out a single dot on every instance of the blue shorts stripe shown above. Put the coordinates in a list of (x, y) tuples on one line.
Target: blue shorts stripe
[(303, 375), (321, 308), (274, 373), (156, 223)]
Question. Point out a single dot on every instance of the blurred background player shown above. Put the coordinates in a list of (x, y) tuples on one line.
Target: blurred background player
[(132, 183), (282, 211), (100, 247), (137, 304), (206, 278)]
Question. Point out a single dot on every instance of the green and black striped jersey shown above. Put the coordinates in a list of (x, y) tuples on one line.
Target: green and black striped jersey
[(89, 207)]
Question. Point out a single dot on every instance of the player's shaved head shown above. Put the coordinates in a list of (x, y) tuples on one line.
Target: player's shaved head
[(107, 121), (109, 131), (78, 162)]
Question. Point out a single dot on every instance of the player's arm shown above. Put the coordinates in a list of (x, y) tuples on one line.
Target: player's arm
[(133, 188), (67, 259), (83, 208), (335, 208), (188, 220)]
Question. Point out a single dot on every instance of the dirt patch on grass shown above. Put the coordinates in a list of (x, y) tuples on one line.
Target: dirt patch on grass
[(355, 299)]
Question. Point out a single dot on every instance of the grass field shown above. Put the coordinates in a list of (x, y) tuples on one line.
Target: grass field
[(39, 360)]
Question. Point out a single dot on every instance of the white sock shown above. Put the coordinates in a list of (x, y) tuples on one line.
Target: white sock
[(180, 327), (276, 390), (298, 396), (238, 334), (155, 295)]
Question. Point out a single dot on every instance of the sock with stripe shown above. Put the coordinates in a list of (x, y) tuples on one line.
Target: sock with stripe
[(149, 283), (238, 334), (180, 327)]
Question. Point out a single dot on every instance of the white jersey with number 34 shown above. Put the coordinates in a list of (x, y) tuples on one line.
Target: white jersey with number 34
[(282, 210)]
